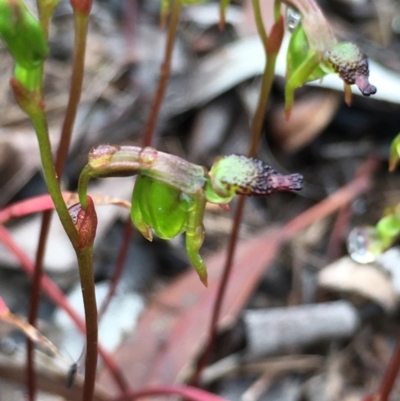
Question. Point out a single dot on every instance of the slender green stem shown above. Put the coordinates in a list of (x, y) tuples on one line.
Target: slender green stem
[(259, 23), (85, 261), (33, 104), (85, 255), (83, 186), (46, 8), (258, 121), (44, 230), (266, 84), (164, 75), (40, 126), (81, 23), (223, 4), (148, 134), (277, 9), (45, 12)]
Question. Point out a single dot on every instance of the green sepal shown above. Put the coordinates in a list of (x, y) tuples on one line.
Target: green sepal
[(298, 51), (138, 200), (22, 34), (159, 207), (213, 197)]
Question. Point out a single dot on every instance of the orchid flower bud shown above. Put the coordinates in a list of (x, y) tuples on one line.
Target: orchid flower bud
[(22, 34)]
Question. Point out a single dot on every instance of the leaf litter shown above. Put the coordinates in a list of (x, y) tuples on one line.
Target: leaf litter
[(215, 75)]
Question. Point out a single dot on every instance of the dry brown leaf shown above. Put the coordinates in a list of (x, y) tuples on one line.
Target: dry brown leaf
[(310, 115), (30, 331), (366, 280)]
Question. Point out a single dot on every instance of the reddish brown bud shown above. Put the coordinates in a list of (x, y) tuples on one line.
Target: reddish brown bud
[(276, 37), (82, 6), (85, 222)]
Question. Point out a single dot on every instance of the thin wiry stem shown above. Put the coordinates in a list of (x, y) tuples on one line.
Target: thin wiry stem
[(164, 75), (85, 260), (147, 141), (45, 9), (36, 290), (258, 121), (390, 375), (40, 125)]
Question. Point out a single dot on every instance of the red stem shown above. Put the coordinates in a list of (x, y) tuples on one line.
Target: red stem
[(35, 301), (85, 260), (340, 227), (119, 267), (164, 75), (129, 26), (217, 307), (390, 376), (147, 141), (258, 121)]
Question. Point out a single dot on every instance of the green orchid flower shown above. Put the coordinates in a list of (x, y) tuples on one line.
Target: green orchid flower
[(170, 194), (314, 52)]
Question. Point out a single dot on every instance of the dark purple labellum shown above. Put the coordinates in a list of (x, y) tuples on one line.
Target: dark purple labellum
[(352, 66), (269, 181)]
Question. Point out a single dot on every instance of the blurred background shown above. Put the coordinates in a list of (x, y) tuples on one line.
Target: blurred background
[(312, 325)]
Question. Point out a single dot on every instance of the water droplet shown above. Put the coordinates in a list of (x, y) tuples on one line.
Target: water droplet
[(363, 244), (293, 18)]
